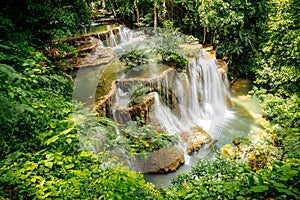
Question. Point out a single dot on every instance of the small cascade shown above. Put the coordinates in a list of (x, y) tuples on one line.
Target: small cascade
[(121, 101), (118, 37), (125, 35), (112, 39)]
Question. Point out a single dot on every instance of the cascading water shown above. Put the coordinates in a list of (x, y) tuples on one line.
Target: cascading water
[(183, 102), (125, 35), (112, 38), (200, 96)]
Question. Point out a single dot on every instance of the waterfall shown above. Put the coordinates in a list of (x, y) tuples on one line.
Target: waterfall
[(182, 102), (191, 105), (201, 99)]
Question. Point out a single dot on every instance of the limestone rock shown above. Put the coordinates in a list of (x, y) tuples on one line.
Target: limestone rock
[(207, 47), (228, 151), (222, 65), (221, 72), (195, 139), (195, 144), (161, 161), (99, 57), (211, 144)]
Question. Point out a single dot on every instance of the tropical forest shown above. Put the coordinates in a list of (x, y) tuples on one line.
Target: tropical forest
[(150, 99)]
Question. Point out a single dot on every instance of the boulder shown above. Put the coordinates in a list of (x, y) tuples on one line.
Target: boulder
[(195, 139), (228, 151), (161, 161)]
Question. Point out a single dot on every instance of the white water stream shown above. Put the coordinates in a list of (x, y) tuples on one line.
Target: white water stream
[(201, 98)]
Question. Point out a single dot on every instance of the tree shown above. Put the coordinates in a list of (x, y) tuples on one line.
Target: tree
[(47, 20), (279, 72)]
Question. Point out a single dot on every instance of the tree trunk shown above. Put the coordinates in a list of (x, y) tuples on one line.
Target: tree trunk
[(155, 14), (204, 35), (137, 12)]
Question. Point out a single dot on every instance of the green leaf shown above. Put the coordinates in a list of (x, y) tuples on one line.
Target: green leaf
[(251, 180), (259, 188), (189, 196), (8, 71), (69, 166), (49, 164), (66, 131), (50, 156), (51, 140), (240, 198), (69, 140)]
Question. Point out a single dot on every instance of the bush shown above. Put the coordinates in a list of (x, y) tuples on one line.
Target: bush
[(223, 179)]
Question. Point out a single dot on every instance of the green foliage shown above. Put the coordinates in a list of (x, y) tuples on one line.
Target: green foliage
[(143, 139), (134, 56), (257, 151), (60, 169), (176, 60), (136, 93), (56, 19), (102, 134), (282, 111), (51, 150), (52, 174), (168, 24), (97, 134), (40, 130), (168, 46), (134, 59), (165, 43), (14, 52), (147, 20), (127, 9), (222, 179), (233, 27), (29, 101), (278, 76), (290, 142), (65, 48)]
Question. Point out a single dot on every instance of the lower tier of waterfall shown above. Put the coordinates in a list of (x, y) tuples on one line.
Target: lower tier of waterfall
[(242, 120)]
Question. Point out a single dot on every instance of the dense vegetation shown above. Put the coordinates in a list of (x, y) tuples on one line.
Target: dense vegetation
[(41, 128)]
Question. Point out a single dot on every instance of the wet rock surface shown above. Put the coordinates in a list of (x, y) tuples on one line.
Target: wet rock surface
[(161, 161), (96, 58), (195, 139)]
